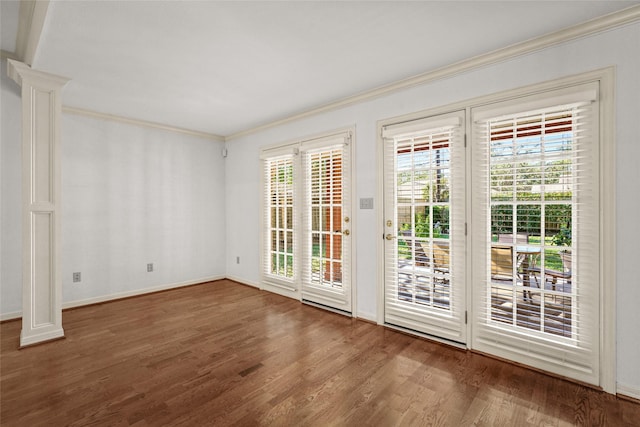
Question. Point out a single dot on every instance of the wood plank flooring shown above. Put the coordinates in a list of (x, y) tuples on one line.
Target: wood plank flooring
[(222, 354)]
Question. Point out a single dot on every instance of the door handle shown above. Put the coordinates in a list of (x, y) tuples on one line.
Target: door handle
[(346, 232), (389, 237)]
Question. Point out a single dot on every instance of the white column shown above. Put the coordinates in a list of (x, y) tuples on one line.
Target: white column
[(41, 275)]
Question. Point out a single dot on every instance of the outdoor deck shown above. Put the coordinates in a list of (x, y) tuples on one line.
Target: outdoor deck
[(524, 306)]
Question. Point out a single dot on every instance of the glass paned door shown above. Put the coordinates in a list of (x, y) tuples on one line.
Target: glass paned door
[(326, 224), (424, 227), (536, 231)]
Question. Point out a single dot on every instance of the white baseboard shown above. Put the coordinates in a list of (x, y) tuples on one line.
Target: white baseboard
[(120, 295), (628, 390), (126, 294), (41, 337), (96, 300), (10, 316), (244, 281)]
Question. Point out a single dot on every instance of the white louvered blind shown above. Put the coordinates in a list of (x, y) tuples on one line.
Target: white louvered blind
[(326, 221), (424, 181), (279, 260), (536, 231)]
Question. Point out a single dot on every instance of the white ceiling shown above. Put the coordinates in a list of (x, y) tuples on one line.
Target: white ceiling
[(224, 67)]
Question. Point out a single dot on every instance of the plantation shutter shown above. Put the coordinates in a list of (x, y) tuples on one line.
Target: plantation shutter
[(535, 216), (424, 187), (279, 240), (326, 221)]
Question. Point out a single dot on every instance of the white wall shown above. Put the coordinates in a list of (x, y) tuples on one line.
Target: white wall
[(10, 195), (131, 195), (618, 47)]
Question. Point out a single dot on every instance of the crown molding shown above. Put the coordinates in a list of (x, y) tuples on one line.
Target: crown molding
[(31, 19), (17, 71), (143, 123), (5, 54), (593, 26)]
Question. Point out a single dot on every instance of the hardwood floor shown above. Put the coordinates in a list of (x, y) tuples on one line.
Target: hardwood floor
[(227, 354)]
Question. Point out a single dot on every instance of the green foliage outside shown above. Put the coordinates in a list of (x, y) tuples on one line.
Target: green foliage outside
[(423, 224), (528, 220), (563, 238)]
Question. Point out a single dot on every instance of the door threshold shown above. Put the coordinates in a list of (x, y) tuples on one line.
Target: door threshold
[(430, 337)]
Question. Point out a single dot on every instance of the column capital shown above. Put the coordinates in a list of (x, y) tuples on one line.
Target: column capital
[(20, 72)]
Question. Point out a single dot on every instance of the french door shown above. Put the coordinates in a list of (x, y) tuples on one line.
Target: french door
[(307, 221), (532, 274), (536, 231), (326, 223), (424, 214)]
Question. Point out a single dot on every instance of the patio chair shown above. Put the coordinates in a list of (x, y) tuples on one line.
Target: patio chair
[(441, 279), (420, 257), (502, 263), (502, 268), (441, 257)]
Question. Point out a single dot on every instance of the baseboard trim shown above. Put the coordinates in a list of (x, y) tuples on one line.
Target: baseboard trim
[(120, 295), (13, 315), (138, 292), (628, 392), (243, 281), (41, 339)]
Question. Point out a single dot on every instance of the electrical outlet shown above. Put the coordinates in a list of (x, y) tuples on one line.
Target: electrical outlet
[(149, 267), (76, 277), (237, 260)]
